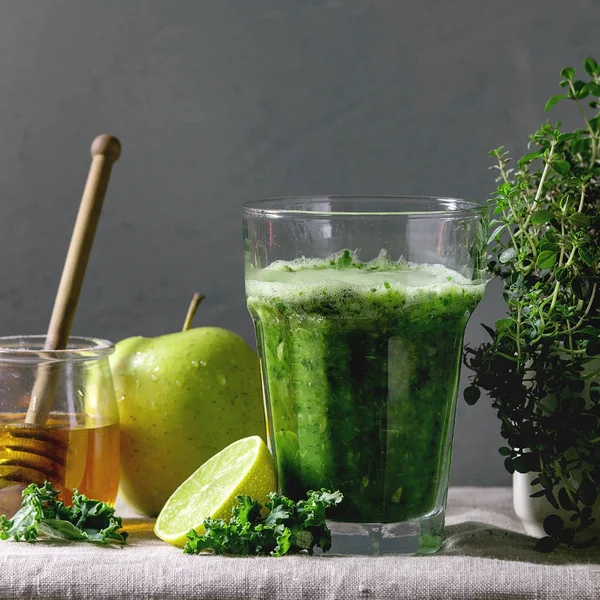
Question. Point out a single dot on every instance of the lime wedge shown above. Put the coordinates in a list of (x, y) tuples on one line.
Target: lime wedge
[(244, 467)]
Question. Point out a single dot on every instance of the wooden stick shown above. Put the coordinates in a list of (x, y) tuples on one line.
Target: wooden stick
[(105, 151)]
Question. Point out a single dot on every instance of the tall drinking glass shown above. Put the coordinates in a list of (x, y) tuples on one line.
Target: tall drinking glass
[(360, 306)]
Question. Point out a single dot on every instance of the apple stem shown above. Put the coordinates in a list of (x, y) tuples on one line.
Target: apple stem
[(194, 304)]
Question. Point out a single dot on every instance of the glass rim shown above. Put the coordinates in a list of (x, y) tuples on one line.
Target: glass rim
[(32, 347), (447, 206)]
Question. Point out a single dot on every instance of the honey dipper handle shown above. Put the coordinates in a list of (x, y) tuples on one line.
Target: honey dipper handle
[(105, 151)]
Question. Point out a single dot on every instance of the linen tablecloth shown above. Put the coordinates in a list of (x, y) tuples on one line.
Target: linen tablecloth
[(485, 555)]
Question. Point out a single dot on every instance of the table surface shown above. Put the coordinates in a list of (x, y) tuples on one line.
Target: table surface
[(485, 555)]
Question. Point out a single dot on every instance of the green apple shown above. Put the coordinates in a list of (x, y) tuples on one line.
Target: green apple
[(182, 398)]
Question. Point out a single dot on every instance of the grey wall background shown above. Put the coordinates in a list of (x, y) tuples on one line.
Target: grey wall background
[(221, 101)]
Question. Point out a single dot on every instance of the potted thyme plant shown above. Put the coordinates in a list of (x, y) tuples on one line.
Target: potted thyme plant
[(541, 367)]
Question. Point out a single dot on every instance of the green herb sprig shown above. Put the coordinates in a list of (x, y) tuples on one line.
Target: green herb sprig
[(44, 517), (545, 244), (290, 527)]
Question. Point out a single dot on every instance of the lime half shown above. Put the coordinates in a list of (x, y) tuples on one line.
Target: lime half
[(244, 467)]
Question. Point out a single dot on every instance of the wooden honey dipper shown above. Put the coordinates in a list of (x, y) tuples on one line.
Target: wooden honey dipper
[(105, 150)]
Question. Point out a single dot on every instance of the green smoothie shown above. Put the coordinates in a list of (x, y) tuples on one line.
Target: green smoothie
[(361, 364)]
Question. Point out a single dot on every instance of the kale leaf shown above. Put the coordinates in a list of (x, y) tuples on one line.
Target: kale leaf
[(42, 516), (290, 527)]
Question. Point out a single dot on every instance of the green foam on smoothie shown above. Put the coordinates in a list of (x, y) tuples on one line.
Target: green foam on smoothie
[(310, 283)]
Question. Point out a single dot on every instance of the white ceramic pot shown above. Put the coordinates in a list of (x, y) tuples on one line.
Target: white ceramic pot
[(533, 511)]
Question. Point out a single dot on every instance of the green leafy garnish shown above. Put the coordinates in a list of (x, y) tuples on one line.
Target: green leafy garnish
[(290, 527), (42, 516)]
